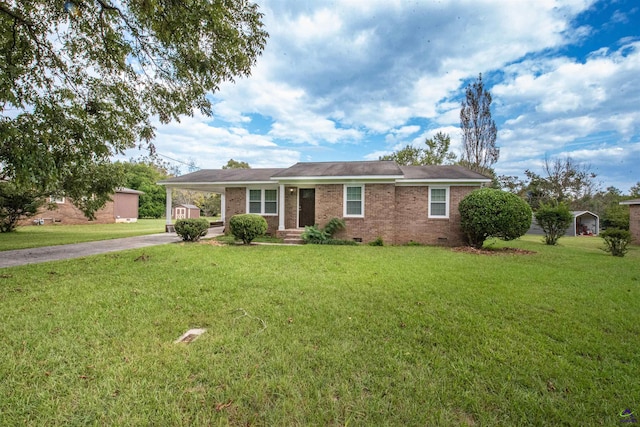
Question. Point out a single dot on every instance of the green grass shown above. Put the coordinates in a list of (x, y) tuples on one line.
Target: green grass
[(51, 235), (354, 336)]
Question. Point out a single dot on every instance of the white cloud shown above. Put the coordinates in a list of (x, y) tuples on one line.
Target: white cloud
[(340, 77)]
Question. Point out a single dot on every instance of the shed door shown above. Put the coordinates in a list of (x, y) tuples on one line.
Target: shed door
[(307, 209), (181, 213)]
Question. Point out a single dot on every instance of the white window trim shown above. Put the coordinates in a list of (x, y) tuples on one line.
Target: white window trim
[(262, 201), (344, 191), (446, 201)]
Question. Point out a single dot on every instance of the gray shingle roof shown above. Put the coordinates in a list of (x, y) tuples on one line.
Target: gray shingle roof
[(445, 172), (224, 175), (323, 170), (341, 169)]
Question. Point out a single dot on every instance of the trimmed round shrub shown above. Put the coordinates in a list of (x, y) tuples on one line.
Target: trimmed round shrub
[(191, 230), (488, 212), (554, 221), (247, 227), (616, 241)]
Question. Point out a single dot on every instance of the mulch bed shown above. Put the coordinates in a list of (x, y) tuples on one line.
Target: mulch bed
[(496, 251)]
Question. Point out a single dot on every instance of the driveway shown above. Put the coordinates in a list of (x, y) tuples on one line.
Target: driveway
[(78, 250)]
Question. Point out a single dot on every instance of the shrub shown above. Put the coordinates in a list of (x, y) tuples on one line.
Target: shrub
[(191, 230), (616, 241), (554, 219), (377, 242), (247, 227), (315, 235), (312, 234), (333, 226), (488, 212)]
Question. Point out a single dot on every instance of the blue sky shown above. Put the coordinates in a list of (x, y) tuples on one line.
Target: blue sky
[(353, 80)]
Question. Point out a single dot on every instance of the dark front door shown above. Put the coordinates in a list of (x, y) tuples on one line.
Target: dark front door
[(307, 214)]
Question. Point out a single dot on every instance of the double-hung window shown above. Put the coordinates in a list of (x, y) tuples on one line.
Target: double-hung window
[(438, 202), (263, 202), (354, 200)]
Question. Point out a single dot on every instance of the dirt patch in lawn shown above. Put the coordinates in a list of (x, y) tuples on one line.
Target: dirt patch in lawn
[(495, 251), (212, 242)]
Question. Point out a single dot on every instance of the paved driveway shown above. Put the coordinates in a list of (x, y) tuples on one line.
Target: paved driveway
[(77, 250)]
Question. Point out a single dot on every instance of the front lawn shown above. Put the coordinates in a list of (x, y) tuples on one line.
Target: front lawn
[(323, 335)]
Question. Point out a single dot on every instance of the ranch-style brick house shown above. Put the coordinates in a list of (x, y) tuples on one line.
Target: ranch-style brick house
[(376, 199)]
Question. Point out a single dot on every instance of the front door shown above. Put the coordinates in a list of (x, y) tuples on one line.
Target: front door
[(307, 209)]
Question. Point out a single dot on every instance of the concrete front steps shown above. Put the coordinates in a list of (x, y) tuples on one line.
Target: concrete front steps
[(292, 236)]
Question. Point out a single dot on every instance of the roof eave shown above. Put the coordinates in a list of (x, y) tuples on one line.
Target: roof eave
[(215, 183), (442, 181)]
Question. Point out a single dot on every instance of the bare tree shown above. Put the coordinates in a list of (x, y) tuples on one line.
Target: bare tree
[(479, 132)]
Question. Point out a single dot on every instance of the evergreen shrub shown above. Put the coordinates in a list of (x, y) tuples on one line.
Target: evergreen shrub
[(488, 212), (247, 227), (192, 229)]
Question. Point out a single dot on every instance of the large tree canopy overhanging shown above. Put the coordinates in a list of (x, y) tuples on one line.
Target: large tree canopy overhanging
[(80, 80)]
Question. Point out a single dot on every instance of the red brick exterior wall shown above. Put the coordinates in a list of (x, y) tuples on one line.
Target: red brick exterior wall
[(67, 214), (290, 208), (397, 214), (235, 203), (413, 222), (125, 206), (634, 223)]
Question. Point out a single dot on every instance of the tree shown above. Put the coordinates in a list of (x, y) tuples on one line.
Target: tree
[(565, 181), (17, 203), (635, 190), (436, 153), (511, 183), (554, 219), (479, 131), (142, 175), (81, 82), (234, 164), (407, 156), (488, 212)]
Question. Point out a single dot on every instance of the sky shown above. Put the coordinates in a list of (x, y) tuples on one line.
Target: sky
[(354, 80)]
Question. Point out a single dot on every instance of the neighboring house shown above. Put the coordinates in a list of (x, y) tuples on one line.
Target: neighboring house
[(375, 198), (122, 208), (634, 219), (584, 223), (186, 211)]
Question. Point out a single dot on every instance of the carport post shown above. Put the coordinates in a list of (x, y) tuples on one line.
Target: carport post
[(168, 207), (223, 207)]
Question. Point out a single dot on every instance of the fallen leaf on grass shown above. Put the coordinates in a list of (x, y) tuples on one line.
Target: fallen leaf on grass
[(221, 406)]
